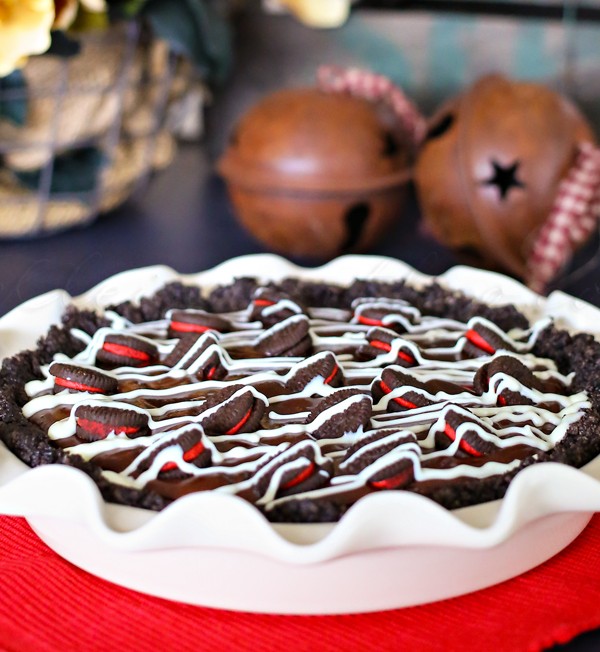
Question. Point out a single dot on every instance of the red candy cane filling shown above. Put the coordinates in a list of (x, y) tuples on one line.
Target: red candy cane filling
[(367, 321), (394, 481), (332, 375), (450, 432), (240, 424), (186, 327), (102, 430), (189, 456), (397, 399), (301, 477), (263, 303), (79, 387), (477, 340), (384, 346), (126, 351)]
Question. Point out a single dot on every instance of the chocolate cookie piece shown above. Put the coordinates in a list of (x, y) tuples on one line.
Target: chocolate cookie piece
[(324, 365), (211, 367), (181, 355), (366, 451), (393, 315), (287, 338), (392, 379), (300, 468), (182, 322), (510, 366), (233, 410), (471, 441), (408, 399), (381, 340), (485, 339), (94, 422), (397, 475), (187, 445), (345, 411), (82, 379), (375, 316), (270, 306), (191, 348), (310, 477), (190, 353), (307, 478), (126, 351)]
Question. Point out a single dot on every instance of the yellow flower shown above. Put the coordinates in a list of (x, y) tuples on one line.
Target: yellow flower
[(24, 29), (65, 12), (95, 6), (315, 13)]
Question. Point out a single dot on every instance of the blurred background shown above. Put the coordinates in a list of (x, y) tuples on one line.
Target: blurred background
[(432, 49), (130, 110)]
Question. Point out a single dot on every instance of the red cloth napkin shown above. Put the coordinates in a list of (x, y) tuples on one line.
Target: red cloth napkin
[(48, 604)]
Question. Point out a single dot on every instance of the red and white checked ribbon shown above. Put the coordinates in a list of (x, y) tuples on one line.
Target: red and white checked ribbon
[(375, 88), (576, 208), (572, 220)]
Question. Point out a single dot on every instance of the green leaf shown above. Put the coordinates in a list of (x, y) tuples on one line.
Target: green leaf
[(13, 98), (62, 45), (195, 29), (89, 20), (125, 8), (74, 171)]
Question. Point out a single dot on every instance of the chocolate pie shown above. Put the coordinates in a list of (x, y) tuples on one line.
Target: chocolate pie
[(303, 398)]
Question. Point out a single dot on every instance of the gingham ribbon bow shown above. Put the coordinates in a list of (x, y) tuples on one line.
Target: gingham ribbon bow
[(572, 220), (373, 87)]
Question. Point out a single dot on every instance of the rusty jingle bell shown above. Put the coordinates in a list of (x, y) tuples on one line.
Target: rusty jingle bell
[(488, 171), (314, 174)]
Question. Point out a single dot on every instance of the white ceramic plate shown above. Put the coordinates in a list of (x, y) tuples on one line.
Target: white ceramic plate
[(392, 549)]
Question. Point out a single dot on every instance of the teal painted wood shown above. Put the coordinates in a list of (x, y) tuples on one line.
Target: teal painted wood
[(378, 50), (434, 56)]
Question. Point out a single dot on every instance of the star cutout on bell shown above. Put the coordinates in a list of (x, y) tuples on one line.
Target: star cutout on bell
[(504, 177)]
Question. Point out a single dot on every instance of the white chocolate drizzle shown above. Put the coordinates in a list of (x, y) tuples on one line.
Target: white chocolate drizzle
[(282, 460)]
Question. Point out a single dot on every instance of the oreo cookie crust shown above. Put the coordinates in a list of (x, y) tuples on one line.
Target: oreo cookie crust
[(380, 392)]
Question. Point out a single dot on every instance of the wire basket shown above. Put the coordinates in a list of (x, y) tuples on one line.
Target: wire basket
[(95, 130)]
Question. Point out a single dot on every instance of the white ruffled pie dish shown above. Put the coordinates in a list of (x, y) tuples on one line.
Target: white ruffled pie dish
[(391, 549)]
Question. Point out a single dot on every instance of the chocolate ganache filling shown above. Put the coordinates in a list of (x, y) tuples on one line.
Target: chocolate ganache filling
[(286, 405)]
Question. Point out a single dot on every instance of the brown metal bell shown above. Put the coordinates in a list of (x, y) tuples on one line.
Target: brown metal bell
[(315, 174), (489, 169)]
